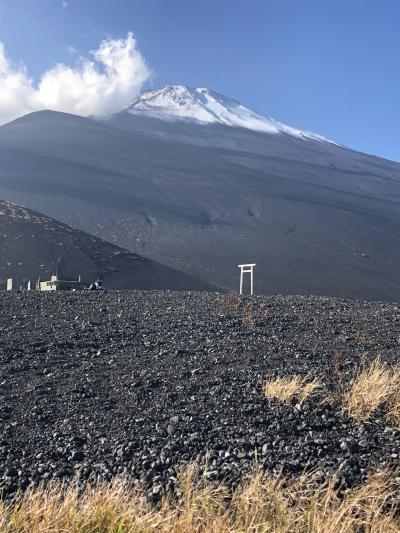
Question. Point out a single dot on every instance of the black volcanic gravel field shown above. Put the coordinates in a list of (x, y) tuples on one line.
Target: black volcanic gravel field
[(138, 383)]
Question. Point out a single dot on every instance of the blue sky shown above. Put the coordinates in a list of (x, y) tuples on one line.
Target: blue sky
[(329, 66)]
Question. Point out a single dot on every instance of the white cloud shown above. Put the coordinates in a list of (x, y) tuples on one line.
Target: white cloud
[(72, 50), (99, 85)]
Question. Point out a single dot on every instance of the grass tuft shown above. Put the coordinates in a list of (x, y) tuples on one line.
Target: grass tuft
[(253, 315), (230, 303), (393, 404), (374, 387), (371, 388), (293, 389)]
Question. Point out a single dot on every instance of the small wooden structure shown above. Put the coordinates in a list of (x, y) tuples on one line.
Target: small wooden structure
[(244, 269), (56, 284)]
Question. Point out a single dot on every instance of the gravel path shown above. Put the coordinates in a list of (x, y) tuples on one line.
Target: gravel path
[(141, 382)]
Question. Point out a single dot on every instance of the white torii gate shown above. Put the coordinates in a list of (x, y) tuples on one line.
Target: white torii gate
[(244, 269)]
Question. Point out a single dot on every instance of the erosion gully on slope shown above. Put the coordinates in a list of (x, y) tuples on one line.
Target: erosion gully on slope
[(141, 383)]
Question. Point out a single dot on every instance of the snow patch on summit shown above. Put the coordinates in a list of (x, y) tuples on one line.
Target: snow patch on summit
[(201, 105)]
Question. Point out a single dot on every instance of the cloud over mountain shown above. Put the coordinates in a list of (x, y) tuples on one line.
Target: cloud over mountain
[(98, 85)]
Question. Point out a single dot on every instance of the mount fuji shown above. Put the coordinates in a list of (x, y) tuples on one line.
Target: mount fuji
[(200, 183), (177, 102)]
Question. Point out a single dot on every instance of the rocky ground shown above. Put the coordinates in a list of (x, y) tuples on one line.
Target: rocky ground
[(139, 383)]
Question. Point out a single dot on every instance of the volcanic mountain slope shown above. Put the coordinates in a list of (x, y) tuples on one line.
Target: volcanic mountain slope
[(31, 245), (205, 195)]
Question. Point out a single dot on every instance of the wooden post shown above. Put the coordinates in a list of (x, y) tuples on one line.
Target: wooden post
[(9, 284)]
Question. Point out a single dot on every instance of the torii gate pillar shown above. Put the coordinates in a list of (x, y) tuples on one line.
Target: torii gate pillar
[(244, 269)]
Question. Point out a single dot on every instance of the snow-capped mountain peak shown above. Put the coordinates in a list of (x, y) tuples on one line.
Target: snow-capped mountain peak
[(201, 105)]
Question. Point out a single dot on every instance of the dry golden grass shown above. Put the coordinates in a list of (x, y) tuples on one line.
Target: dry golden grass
[(254, 315), (230, 303), (290, 390), (371, 388), (366, 508), (262, 504), (249, 316), (393, 404), (374, 387)]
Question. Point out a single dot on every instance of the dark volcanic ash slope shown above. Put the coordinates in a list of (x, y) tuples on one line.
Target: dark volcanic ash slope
[(138, 383), (32, 243), (316, 217)]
